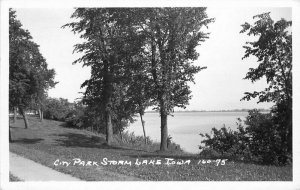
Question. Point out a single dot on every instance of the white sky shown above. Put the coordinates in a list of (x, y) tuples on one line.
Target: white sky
[(220, 86)]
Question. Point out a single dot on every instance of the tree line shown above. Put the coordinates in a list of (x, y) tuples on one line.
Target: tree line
[(29, 75), (139, 57)]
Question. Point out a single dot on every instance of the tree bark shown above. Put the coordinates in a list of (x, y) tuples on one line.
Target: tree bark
[(108, 90), (109, 131), (10, 139), (24, 117), (143, 125), (15, 114), (121, 136), (290, 129), (164, 130), (42, 116)]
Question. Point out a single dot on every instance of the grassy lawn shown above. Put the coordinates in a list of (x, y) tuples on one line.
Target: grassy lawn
[(50, 143)]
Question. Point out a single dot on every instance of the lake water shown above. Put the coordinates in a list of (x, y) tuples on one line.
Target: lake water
[(185, 127)]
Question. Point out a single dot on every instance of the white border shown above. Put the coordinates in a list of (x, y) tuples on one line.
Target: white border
[(5, 4)]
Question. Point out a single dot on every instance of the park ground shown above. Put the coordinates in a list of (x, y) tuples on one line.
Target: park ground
[(52, 144)]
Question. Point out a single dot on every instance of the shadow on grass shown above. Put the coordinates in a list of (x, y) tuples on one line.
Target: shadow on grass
[(80, 140), (13, 127), (64, 125), (27, 141)]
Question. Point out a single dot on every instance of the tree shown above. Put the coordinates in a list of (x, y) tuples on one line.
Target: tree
[(140, 88), (172, 34), (273, 50), (141, 98), (19, 84), (164, 38), (108, 48), (29, 76), (44, 80)]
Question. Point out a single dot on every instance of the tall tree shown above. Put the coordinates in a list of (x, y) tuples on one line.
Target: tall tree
[(172, 37), (29, 76), (139, 89), (273, 50), (19, 84), (107, 49), (165, 37)]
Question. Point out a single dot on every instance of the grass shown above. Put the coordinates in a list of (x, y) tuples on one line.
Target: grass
[(48, 141), (130, 140)]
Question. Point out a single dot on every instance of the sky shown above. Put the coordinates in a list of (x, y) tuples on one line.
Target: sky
[(220, 86)]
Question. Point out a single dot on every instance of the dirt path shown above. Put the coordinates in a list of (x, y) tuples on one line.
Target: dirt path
[(28, 170)]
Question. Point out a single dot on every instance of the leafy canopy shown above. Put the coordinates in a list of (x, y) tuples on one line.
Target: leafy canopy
[(273, 50), (29, 76), (172, 35)]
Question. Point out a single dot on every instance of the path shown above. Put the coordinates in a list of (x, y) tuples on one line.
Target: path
[(28, 170)]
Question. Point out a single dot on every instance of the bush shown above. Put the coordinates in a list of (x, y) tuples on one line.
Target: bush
[(57, 109), (87, 117), (266, 141), (226, 143), (76, 117), (260, 140)]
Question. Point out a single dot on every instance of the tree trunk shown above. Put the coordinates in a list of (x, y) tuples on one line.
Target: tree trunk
[(10, 139), (42, 116), (109, 131), (24, 117), (107, 94), (164, 130), (290, 130), (15, 114), (143, 125), (290, 139), (121, 136)]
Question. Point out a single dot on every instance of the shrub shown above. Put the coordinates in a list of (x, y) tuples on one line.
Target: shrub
[(76, 117), (57, 109), (260, 140), (87, 117), (226, 143), (268, 138)]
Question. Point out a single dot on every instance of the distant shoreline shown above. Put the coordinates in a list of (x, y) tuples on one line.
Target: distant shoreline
[(235, 110)]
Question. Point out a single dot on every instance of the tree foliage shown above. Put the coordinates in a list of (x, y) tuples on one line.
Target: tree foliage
[(258, 140), (266, 138), (142, 54), (29, 76), (172, 35), (57, 109), (273, 50), (110, 45)]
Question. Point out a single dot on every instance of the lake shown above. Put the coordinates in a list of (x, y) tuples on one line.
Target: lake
[(185, 127)]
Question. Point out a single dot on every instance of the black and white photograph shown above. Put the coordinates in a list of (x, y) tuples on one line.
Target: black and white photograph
[(149, 93)]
